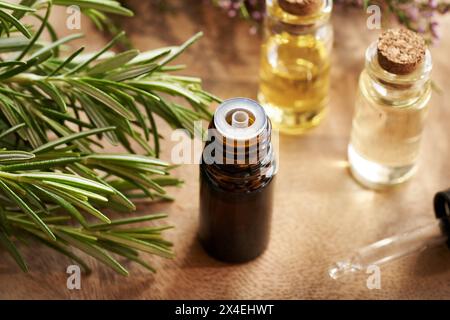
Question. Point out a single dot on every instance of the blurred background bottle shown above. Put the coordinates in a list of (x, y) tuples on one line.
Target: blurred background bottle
[(295, 63), (390, 111)]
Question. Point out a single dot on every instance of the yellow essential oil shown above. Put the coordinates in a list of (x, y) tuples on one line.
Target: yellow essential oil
[(295, 67)]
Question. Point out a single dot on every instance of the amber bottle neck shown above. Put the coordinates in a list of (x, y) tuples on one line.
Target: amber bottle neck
[(234, 165)]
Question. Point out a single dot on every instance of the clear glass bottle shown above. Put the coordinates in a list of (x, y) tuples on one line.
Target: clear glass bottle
[(295, 66), (236, 182), (388, 121)]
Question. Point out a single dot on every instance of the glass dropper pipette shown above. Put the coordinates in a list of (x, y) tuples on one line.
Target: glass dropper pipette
[(401, 245)]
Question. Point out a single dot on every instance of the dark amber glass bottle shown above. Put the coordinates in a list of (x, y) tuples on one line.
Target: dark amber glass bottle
[(236, 182)]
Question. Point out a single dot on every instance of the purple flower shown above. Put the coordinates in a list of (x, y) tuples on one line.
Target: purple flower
[(433, 4), (434, 29), (237, 5), (413, 13), (417, 15), (256, 15)]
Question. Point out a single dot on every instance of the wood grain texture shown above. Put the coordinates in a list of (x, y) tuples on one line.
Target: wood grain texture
[(320, 214)]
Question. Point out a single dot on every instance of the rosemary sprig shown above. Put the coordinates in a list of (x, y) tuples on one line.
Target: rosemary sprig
[(54, 190)]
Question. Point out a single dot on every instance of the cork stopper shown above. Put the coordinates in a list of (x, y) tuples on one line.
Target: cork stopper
[(300, 7), (400, 51)]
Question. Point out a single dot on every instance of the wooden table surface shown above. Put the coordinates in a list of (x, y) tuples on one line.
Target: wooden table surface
[(320, 212)]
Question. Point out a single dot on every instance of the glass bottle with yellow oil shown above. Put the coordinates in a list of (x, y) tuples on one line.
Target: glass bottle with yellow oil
[(295, 63)]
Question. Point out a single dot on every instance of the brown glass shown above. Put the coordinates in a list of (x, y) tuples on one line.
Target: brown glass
[(236, 203)]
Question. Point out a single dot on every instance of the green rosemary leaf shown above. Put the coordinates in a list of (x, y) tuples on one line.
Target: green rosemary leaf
[(64, 140), (67, 117), (53, 92), (140, 119), (75, 200), (9, 111), (126, 221), (13, 251), (5, 16), (144, 236), (32, 198), (108, 85), (55, 44), (43, 164), (117, 197), (77, 233), (83, 65), (68, 179), (57, 219), (94, 18), (20, 69), (101, 5), (101, 96), (172, 68), (66, 62), (37, 35), (65, 205), (13, 196), (131, 72), (176, 78), (131, 174), (11, 130), (125, 158), (151, 56), (20, 220), (75, 190), (95, 251), (121, 202), (136, 244), (146, 169), (207, 95), (15, 93), (145, 230), (137, 183), (167, 181), (96, 117), (5, 27), (167, 87), (60, 130), (154, 131), (119, 249), (51, 31), (125, 252), (13, 44), (11, 63), (13, 6), (61, 248), (124, 185), (114, 62), (178, 50), (15, 155), (114, 89)]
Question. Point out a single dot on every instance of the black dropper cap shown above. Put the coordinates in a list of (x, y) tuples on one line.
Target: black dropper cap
[(442, 211)]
